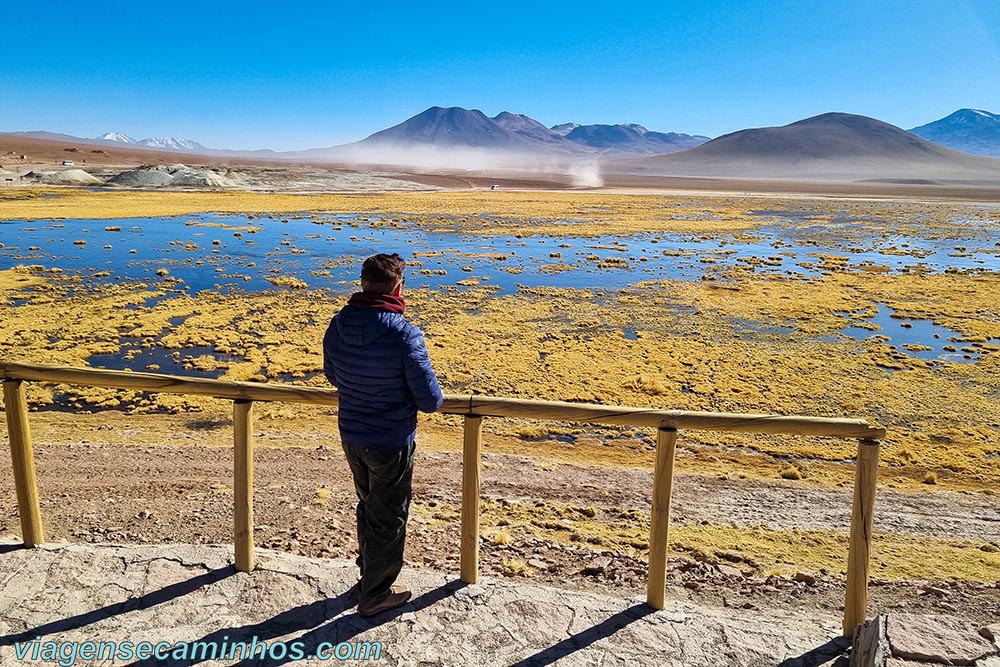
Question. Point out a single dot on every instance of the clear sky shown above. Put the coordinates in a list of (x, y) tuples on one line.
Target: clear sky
[(291, 75)]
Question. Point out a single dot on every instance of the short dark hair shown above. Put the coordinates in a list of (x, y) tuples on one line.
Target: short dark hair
[(381, 273)]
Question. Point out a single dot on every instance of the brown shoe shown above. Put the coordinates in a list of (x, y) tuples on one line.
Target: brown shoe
[(397, 598)]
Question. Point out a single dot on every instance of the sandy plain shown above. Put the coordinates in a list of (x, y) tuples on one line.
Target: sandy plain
[(688, 349)]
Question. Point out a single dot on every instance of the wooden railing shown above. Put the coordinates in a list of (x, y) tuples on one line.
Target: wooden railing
[(474, 409)]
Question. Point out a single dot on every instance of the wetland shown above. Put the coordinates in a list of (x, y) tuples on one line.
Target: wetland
[(877, 309)]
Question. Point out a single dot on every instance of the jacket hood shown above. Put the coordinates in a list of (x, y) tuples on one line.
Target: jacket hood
[(363, 326)]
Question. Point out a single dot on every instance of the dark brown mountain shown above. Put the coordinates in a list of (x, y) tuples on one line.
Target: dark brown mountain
[(453, 126), (529, 128)]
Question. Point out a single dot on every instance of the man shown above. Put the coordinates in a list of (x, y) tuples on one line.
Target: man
[(379, 363)]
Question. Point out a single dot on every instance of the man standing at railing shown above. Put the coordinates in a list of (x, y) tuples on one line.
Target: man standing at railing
[(379, 363)]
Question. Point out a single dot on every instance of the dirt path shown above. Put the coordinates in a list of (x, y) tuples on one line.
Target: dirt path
[(89, 472)]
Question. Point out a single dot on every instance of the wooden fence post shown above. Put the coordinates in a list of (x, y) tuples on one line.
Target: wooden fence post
[(862, 519), (23, 460), (659, 525), (243, 484), (470, 498)]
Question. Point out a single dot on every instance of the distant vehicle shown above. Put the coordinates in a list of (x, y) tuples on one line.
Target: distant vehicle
[(494, 187), (68, 163)]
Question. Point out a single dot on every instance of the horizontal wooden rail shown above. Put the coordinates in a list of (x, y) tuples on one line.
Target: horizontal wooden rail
[(483, 406), (676, 419), (474, 409)]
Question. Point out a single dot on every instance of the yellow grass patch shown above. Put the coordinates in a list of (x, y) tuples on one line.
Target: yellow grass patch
[(765, 550), (488, 213), (13, 281)]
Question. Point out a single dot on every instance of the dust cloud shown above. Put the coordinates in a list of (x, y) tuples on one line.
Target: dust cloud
[(579, 171)]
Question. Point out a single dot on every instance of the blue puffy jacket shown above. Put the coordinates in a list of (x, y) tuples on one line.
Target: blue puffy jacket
[(378, 361)]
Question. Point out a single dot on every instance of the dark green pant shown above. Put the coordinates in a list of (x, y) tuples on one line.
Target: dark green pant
[(383, 481)]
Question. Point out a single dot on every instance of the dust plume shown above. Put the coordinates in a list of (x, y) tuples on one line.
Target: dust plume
[(578, 171)]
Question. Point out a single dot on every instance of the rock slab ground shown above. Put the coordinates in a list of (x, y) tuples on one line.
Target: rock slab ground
[(924, 640), (187, 593)]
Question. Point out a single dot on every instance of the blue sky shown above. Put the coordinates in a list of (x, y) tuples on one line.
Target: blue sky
[(300, 74)]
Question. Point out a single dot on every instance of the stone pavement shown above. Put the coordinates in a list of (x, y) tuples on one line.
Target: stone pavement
[(931, 640), (186, 593)]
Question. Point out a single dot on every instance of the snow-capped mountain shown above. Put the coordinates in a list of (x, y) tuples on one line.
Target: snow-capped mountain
[(162, 143), (970, 130), (172, 144), (564, 128), (117, 137)]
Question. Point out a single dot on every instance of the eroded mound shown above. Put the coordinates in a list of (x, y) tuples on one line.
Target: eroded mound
[(66, 177), (178, 175)]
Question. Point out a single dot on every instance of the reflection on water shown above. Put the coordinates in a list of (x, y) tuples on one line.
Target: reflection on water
[(323, 251), (225, 253), (922, 339), (162, 360)]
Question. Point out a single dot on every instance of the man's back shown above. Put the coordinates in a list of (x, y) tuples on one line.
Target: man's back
[(378, 361)]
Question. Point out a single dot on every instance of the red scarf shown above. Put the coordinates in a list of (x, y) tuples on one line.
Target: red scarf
[(392, 303)]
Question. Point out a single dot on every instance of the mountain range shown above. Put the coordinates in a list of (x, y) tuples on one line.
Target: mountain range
[(162, 143), (120, 139), (832, 146), (968, 130), (456, 128), (452, 127)]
